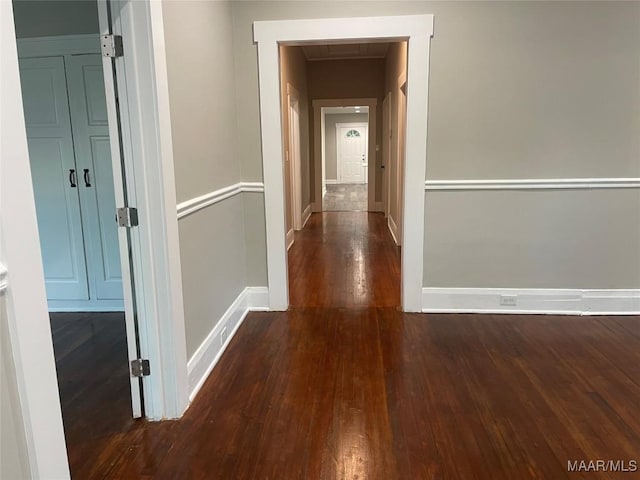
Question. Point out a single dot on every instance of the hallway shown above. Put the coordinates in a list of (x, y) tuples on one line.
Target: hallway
[(344, 259), (345, 386)]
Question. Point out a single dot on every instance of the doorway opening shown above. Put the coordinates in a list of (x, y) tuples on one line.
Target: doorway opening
[(334, 166), (86, 261), (271, 36), (345, 139)]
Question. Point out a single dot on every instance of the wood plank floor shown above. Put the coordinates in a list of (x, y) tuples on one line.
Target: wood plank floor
[(359, 391)]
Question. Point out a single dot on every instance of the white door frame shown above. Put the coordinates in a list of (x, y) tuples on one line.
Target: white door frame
[(148, 153), (338, 152), (295, 168), (319, 145), (386, 152), (417, 30), (148, 163), (25, 296)]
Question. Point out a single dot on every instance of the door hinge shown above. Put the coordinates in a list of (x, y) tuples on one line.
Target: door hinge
[(111, 46), (140, 368), (127, 217)]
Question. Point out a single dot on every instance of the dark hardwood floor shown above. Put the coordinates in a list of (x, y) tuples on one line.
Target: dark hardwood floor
[(354, 390), (344, 259)]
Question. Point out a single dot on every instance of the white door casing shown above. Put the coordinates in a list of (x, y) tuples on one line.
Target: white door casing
[(351, 155), (147, 161), (417, 31), (25, 295), (386, 152)]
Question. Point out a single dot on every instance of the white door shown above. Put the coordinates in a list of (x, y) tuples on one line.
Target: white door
[(352, 153), (55, 177), (93, 158)]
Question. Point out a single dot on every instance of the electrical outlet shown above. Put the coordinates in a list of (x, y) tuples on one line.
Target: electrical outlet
[(508, 300), (223, 336)]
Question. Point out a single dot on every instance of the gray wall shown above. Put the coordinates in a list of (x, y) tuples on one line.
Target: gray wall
[(203, 125), (517, 90), (53, 17), (14, 462), (331, 153)]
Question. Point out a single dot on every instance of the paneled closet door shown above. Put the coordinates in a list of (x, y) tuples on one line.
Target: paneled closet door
[(55, 177), (93, 158)]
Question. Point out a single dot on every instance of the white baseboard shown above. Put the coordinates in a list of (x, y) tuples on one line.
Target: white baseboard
[(393, 228), (531, 301), (305, 215), (330, 182), (209, 352), (290, 238)]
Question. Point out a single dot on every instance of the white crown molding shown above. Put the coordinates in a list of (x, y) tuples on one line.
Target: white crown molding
[(531, 301), (533, 184), (198, 203), (3, 278), (209, 352)]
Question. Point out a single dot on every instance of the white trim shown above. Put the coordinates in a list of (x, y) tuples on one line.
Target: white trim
[(532, 301), (295, 154), (330, 182), (3, 278), (148, 164), (209, 352), (25, 297), (378, 207), (198, 203), (393, 229), (290, 238), (533, 184), (58, 45), (340, 125), (306, 215), (417, 31)]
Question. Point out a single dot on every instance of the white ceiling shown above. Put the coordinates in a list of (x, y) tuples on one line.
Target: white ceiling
[(345, 51)]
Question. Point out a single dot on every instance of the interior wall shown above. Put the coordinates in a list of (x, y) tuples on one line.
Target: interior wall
[(517, 90), (200, 69), (396, 63), (14, 460), (355, 78), (293, 70), (331, 149), (54, 17)]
